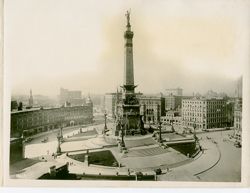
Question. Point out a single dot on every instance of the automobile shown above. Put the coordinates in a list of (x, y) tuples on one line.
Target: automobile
[(237, 144), (45, 140), (158, 171), (29, 139)]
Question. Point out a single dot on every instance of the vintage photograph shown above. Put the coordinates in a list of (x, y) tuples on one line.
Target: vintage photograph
[(125, 90)]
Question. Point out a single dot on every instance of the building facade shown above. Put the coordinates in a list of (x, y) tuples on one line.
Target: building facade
[(32, 121), (172, 102), (238, 114), (16, 150), (172, 117), (151, 108), (31, 102), (203, 113), (73, 97), (110, 102), (174, 91)]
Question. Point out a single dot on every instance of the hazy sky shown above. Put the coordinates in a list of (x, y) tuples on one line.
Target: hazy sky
[(78, 44)]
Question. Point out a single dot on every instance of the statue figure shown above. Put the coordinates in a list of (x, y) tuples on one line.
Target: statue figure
[(128, 17)]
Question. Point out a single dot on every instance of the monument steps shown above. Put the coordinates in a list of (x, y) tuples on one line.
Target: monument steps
[(139, 142), (147, 152)]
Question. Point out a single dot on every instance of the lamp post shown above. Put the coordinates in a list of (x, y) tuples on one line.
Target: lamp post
[(123, 144), (194, 126), (59, 140), (126, 124), (105, 123), (160, 139), (59, 151), (122, 133), (159, 123), (172, 125)]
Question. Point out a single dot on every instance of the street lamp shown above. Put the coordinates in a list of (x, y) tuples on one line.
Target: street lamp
[(195, 137), (160, 138), (172, 125), (59, 139), (105, 123), (122, 133), (194, 126), (59, 151)]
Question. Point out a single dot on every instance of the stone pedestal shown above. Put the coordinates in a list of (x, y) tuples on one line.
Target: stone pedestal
[(52, 171), (86, 160)]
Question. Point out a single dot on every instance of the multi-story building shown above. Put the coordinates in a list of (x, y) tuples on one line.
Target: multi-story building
[(203, 113), (31, 121), (14, 105), (238, 114), (238, 105), (151, 108), (230, 112), (174, 91), (73, 97), (31, 99), (16, 150), (172, 117), (172, 102), (110, 101)]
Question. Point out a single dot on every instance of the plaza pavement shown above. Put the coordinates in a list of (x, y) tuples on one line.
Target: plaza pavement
[(78, 167), (32, 150), (37, 170), (187, 170)]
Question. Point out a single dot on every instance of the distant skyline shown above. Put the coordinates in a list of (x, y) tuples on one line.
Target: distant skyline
[(79, 45)]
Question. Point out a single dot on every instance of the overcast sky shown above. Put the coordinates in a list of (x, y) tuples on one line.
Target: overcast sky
[(78, 44)]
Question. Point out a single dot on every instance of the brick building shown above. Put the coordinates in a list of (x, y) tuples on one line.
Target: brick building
[(33, 121)]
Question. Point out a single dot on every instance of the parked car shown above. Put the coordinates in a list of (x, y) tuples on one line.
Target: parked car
[(45, 140), (237, 144), (29, 139)]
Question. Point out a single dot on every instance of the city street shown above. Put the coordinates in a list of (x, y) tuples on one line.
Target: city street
[(221, 161), (229, 165)]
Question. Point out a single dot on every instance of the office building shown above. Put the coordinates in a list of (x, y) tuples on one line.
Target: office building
[(203, 113)]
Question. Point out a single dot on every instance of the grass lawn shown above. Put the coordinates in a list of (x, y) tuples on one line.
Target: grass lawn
[(188, 148), (17, 166), (104, 158)]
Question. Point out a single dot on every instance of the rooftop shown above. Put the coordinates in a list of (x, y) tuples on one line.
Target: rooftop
[(41, 108)]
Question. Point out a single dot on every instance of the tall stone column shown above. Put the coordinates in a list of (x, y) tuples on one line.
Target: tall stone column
[(128, 63), (129, 108)]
